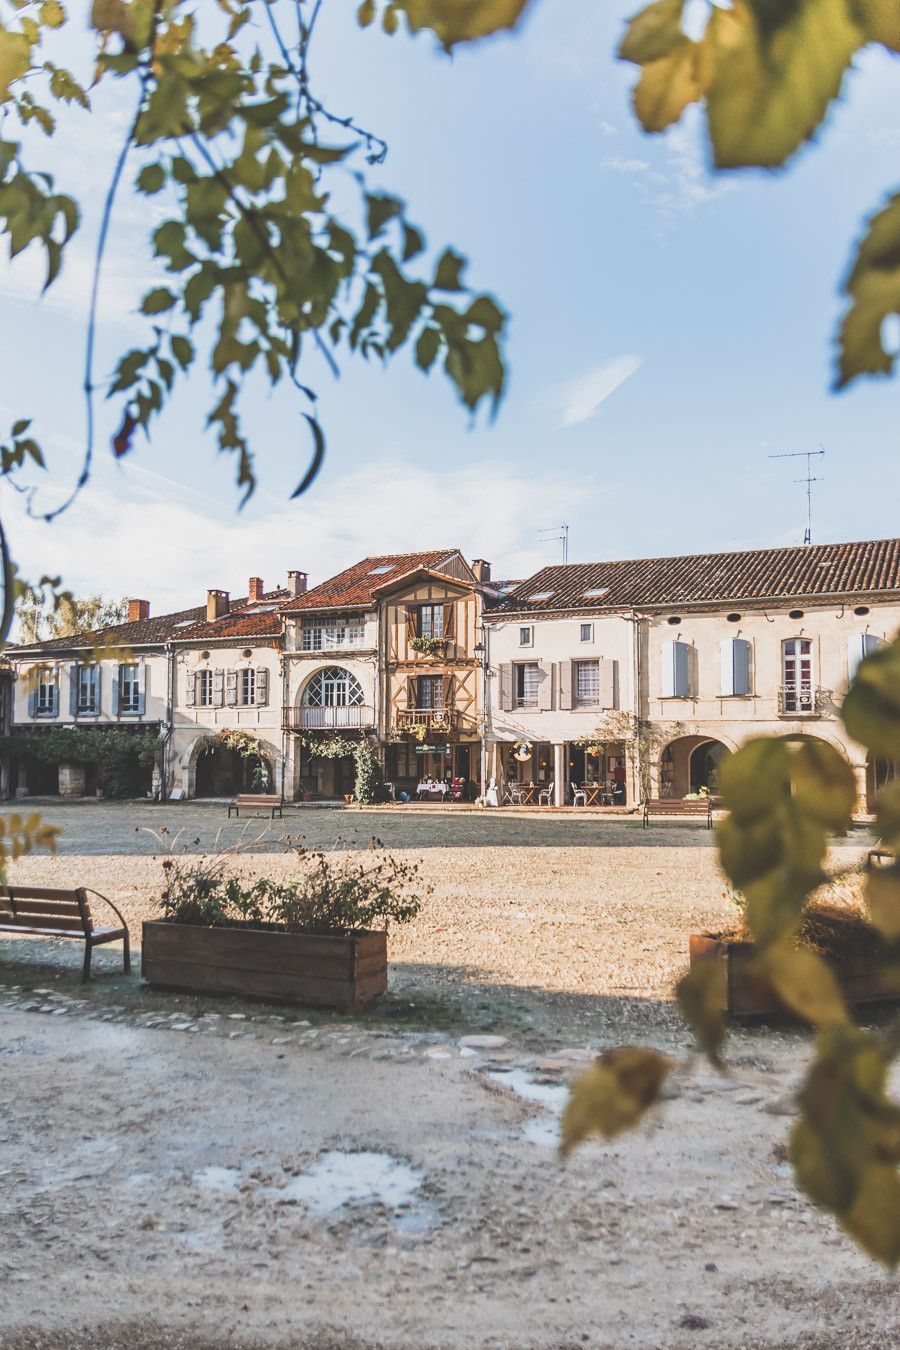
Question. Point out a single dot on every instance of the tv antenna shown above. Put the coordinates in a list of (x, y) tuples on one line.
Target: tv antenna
[(808, 480), (558, 533)]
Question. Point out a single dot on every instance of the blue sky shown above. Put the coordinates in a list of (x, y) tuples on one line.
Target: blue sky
[(669, 331)]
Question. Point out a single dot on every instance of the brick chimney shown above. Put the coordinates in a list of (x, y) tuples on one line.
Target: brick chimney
[(297, 583), (138, 609), (255, 588), (482, 571), (217, 604)]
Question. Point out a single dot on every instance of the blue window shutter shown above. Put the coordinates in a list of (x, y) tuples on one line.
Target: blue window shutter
[(142, 689), (32, 702), (98, 681), (114, 702), (741, 666), (682, 670), (54, 700), (73, 689)]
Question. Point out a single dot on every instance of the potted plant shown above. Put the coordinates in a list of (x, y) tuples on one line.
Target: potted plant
[(319, 937), (837, 931), (429, 646)]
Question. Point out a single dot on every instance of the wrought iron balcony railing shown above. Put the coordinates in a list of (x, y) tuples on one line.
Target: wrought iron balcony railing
[(339, 717), (800, 700), (433, 719)]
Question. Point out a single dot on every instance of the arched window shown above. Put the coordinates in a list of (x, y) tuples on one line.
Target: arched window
[(333, 688)]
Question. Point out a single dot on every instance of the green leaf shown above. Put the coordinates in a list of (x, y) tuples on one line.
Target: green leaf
[(413, 242), (366, 13), (427, 347), (873, 286), (151, 178), (15, 59), (52, 14), (880, 19), (157, 301), (461, 20), (448, 273), (883, 900), (380, 208), (776, 70), (614, 1094), (703, 997), (20, 427), (804, 982), (871, 709), (182, 349)]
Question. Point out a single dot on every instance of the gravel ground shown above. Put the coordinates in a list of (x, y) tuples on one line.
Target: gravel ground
[(558, 936)]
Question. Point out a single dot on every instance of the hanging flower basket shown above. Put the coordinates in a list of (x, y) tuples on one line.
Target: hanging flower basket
[(429, 646)]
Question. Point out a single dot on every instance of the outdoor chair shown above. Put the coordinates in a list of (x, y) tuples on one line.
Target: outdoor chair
[(516, 795), (576, 793), (545, 796)]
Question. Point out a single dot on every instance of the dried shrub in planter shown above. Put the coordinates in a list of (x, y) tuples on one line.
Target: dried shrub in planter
[(330, 895)]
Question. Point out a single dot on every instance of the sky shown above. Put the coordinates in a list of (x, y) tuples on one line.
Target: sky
[(670, 330)]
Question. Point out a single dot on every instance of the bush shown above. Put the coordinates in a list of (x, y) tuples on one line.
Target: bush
[(124, 759), (329, 895)]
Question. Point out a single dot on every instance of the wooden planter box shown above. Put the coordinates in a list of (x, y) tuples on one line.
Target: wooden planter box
[(342, 971), (748, 995)]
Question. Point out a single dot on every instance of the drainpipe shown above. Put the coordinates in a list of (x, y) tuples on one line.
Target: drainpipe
[(170, 720), (637, 788)]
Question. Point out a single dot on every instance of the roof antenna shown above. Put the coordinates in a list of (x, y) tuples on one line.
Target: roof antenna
[(808, 480), (556, 532)]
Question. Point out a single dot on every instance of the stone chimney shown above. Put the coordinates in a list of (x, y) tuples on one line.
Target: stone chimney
[(138, 609), (297, 583), (482, 571), (255, 588), (217, 604)]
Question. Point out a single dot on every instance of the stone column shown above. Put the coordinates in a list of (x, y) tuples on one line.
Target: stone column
[(559, 775), (71, 780)]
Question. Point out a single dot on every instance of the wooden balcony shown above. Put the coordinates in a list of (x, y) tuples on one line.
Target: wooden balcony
[(437, 721), (336, 718)]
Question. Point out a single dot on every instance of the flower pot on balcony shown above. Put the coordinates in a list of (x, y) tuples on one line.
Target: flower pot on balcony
[(342, 970)]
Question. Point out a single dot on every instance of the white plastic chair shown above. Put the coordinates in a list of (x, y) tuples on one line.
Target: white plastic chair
[(576, 793), (547, 793), (516, 795)]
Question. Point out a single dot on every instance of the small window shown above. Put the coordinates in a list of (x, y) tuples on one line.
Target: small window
[(129, 689), (795, 614), (861, 611), (430, 621), (526, 637), (587, 632), (527, 685), (543, 595), (87, 700), (247, 687), (595, 592), (204, 688), (47, 691), (587, 684), (380, 571), (733, 618), (674, 620)]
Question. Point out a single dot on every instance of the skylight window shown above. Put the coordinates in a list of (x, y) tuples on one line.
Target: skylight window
[(380, 571), (185, 623), (542, 595), (596, 591)]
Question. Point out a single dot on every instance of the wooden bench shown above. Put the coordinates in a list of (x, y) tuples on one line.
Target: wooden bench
[(674, 806), (269, 801), (45, 912)]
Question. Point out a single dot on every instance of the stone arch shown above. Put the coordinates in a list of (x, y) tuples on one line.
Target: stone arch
[(689, 763), (331, 698), (229, 773)]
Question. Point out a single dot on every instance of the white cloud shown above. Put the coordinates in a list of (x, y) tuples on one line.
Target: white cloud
[(135, 533), (582, 397), (678, 182), (619, 164)]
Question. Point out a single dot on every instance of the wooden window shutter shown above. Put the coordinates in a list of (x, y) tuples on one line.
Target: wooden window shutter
[(218, 689), (73, 689), (609, 671), (448, 691), (859, 646), (741, 662), (115, 692), (411, 616), (144, 676), (411, 692), (505, 681), (545, 688), (450, 621), (231, 687), (566, 679), (682, 670), (32, 702), (262, 684), (726, 650), (667, 671), (98, 677), (191, 688)]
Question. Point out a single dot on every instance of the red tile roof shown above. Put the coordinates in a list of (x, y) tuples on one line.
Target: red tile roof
[(258, 618), (354, 587), (868, 567)]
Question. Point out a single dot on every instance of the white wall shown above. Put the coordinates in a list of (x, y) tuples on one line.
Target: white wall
[(154, 678)]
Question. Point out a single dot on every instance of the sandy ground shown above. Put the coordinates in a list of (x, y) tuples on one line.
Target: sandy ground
[(559, 937)]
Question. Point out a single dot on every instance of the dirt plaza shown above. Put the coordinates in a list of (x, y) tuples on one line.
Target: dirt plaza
[(211, 1172)]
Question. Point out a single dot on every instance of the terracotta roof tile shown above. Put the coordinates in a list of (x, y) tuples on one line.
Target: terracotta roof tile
[(801, 572), (353, 588), (244, 619)]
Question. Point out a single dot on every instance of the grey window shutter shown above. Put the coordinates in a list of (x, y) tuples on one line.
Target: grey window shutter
[(545, 688), (726, 658), (262, 684), (73, 689), (143, 688), (609, 671), (54, 699), (505, 680), (191, 688), (682, 669), (98, 680), (231, 688), (741, 667), (32, 702), (218, 688), (115, 693), (566, 683)]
